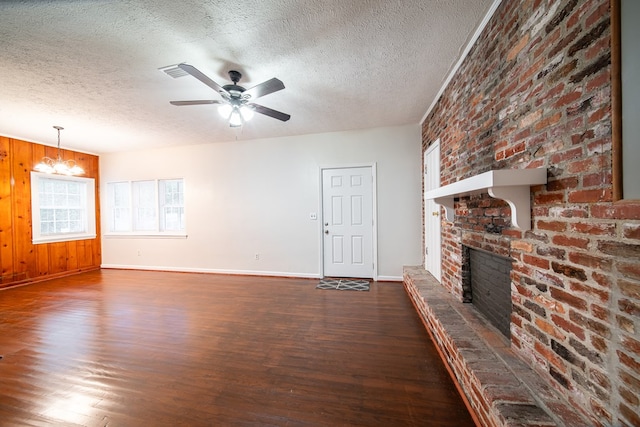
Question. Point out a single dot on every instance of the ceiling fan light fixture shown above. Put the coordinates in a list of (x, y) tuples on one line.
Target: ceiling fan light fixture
[(225, 110), (58, 165), (235, 106), (235, 119), (246, 113)]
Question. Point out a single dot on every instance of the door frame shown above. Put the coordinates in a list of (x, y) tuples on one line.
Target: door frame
[(428, 152), (374, 213)]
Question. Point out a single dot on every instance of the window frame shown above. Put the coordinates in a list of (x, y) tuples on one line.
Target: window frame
[(89, 207), (158, 232)]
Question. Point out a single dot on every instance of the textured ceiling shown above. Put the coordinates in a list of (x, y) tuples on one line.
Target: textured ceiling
[(92, 66)]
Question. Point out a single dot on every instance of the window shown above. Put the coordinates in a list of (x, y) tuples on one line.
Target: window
[(119, 197), (145, 214), (147, 207), (172, 208), (63, 208)]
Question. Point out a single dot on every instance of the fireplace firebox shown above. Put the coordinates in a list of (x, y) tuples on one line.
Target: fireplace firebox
[(489, 285)]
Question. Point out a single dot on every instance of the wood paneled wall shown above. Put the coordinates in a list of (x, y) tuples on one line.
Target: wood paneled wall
[(20, 260)]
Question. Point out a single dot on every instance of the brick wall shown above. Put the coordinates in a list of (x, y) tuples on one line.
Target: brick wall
[(535, 91)]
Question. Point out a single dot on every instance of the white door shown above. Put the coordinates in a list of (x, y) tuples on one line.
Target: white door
[(347, 219), (432, 211)]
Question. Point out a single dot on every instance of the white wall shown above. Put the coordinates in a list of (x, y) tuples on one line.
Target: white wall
[(249, 197)]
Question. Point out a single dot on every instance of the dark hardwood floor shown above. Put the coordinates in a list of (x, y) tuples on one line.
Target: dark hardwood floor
[(134, 348)]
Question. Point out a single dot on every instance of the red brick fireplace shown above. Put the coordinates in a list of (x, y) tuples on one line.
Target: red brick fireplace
[(535, 92), (499, 389)]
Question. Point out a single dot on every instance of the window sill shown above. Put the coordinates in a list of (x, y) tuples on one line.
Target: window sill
[(62, 238), (145, 236)]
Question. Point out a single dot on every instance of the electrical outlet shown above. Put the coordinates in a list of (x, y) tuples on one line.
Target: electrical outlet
[(139, 252), (257, 257), (313, 216)]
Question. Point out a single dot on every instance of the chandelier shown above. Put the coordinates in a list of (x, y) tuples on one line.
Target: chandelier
[(57, 165)]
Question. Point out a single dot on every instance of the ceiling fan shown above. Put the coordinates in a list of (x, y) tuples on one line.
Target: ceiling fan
[(235, 105)]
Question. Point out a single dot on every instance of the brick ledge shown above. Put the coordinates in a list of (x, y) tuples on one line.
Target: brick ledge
[(500, 388)]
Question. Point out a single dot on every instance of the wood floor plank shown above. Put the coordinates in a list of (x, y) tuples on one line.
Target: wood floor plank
[(132, 348)]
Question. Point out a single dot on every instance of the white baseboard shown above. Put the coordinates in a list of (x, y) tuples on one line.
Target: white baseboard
[(233, 272), (210, 270), (390, 279)]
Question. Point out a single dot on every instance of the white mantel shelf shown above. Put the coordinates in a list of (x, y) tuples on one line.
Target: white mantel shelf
[(510, 185)]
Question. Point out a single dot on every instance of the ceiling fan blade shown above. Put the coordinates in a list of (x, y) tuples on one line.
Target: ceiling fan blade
[(264, 88), (204, 101), (203, 78), (269, 112)]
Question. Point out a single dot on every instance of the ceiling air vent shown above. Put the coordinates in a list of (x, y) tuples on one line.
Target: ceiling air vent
[(174, 71)]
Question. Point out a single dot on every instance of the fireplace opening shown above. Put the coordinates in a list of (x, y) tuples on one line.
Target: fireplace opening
[(489, 278)]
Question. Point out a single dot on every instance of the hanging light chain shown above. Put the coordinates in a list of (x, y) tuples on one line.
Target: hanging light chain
[(59, 128)]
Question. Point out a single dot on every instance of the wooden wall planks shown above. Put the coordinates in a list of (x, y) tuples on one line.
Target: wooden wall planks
[(6, 229), (20, 260)]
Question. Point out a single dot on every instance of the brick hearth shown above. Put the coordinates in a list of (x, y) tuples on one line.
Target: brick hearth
[(500, 389)]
